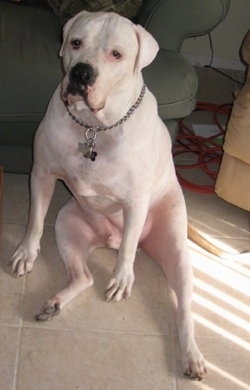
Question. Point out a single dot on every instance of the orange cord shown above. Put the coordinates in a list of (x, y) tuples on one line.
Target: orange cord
[(207, 149)]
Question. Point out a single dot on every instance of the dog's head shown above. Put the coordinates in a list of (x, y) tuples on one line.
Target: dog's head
[(102, 52)]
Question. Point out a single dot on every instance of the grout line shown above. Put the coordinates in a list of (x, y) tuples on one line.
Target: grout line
[(172, 310), (90, 330), (7, 325), (14, 223), (175, 364), (19, 337), (17, 359), (17, 223)]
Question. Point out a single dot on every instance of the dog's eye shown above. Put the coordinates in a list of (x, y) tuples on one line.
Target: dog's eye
[(76, 43), (116, 54)]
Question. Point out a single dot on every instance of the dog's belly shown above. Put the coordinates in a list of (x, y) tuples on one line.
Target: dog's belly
[(101, 204), (93, 199), (93, 195)]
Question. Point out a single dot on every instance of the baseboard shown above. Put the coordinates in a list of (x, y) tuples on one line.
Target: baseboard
[(222, 63)]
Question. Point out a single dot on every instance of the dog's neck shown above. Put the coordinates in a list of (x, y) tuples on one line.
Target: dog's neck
[(91, 130), (88, 119)]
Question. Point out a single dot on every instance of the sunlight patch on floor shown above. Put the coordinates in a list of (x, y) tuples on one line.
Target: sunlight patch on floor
[(220, 311), (221, 301), (220, 270), (220, 331), (231, 378), (215, 292)]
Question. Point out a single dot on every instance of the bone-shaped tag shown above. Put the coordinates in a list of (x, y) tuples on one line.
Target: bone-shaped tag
[(87, 151)]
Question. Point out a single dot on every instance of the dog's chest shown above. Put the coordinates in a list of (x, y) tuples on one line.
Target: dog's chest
[(124, 167), (95, 193), (103, 175), (99, 184)]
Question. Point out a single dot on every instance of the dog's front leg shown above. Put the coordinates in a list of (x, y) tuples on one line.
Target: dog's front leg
[(41, 190), (120, 286)]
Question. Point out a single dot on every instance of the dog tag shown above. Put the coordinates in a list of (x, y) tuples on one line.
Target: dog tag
[(87, 148), (87, 151), (84, 149)]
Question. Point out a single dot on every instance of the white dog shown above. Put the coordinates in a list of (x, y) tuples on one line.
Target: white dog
[(102, 136)]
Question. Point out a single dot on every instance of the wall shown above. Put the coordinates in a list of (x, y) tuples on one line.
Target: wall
[(226, 39)]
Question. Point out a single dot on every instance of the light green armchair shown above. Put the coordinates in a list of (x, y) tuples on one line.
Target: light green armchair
[(171, 77), (30, 67)]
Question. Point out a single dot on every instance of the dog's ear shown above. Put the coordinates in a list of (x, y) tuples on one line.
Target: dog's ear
[(148, 47)]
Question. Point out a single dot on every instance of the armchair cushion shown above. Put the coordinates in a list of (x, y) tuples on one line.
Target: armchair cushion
[(29, 62), (174, 82)]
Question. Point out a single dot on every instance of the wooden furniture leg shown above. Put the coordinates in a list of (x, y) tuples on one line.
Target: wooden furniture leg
[(1, 205)]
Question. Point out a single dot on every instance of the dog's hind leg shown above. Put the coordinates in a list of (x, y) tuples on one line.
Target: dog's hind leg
[(76, 240), (166, 243)]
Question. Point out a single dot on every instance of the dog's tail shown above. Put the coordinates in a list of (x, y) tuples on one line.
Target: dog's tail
[(201, 241)]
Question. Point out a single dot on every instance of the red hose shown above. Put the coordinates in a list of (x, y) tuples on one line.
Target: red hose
[(206, 149)]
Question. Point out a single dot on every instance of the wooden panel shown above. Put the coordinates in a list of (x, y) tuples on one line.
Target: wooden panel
[(1, 205)]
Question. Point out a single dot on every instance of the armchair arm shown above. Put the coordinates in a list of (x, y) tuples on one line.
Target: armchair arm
[(172, 21)]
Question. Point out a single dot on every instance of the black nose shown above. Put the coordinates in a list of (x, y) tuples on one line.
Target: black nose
[(83, 74)]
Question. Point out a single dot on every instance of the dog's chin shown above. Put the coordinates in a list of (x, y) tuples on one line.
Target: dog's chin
[(96, 110), (95, 105), (80, 104)]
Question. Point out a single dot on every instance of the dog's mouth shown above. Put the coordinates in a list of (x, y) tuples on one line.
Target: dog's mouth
[(80, 100), (81, 86)]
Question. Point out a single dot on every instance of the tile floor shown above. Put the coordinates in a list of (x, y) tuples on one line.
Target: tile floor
[(132, 345)]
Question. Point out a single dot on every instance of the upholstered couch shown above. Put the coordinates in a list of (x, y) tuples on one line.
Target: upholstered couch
[(30, 67), (233, 180)]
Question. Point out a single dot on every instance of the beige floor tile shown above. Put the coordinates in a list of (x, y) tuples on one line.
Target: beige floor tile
[(146, 310), (15, 208), (227, 365), (11, 289), (8, 343), (94, 361), (221, 297), (15, 198)]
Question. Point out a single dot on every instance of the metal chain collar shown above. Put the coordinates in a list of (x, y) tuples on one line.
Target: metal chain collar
[(103, 128), (87, 148)]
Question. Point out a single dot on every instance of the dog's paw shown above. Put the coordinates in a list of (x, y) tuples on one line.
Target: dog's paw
[(23, 259), (47, 312), (120, 286), (194, 365)]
